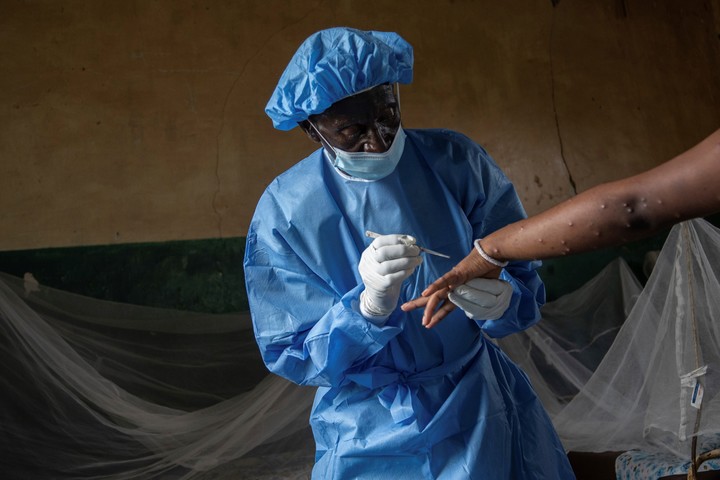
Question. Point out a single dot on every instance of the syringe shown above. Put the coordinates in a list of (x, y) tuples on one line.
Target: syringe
[(370, 234)]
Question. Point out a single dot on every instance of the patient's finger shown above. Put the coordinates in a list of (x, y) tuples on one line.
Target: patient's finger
[(434, 301), (414, 303), (441, 313)]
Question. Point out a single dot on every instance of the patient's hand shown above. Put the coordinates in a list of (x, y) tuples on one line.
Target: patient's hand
[(472, 266), (435, 297)]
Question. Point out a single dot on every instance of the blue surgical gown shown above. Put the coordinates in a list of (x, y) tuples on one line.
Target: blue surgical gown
[(398, 401)]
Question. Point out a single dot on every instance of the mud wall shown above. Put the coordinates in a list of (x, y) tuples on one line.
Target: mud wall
[(125, 121)]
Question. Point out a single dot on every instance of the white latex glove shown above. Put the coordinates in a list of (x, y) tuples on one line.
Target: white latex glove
[(384, 265), (483, 298)]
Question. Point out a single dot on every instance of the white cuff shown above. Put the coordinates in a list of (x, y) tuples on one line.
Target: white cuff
[(367, 311)]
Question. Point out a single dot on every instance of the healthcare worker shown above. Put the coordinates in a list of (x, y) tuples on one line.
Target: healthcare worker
[(394, 400)]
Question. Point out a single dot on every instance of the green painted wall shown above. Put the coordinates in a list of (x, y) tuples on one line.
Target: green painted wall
[(197, 275)]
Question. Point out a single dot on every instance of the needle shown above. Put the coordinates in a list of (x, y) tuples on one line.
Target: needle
[(370, 234)]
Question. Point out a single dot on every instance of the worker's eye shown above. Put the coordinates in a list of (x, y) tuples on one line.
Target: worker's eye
[(352, 131), (388, 115)]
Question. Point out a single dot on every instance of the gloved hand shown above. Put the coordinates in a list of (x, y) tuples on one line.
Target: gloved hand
[(483, 298), (384, 265)]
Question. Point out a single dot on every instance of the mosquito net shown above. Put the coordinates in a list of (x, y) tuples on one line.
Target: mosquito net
[(95, 389), (657, 386)]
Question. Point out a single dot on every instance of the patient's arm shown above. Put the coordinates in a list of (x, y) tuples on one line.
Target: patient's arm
[(613, 213)]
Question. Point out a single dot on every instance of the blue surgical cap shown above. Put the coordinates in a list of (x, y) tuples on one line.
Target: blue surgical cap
[(334, 64)]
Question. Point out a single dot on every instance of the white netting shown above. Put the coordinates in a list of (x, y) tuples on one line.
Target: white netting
[(95, 389), (562, 351)]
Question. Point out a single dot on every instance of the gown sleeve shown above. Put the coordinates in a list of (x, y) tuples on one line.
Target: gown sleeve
[(492, 203), (306, 319)]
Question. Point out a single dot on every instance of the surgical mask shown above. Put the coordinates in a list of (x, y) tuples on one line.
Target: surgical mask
[(368, 165)]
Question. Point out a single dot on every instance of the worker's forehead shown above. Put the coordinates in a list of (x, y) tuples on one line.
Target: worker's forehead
[(363, 103)]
